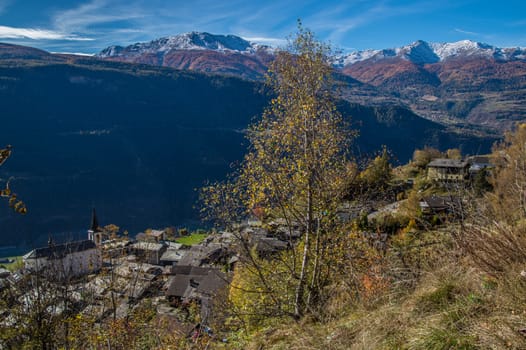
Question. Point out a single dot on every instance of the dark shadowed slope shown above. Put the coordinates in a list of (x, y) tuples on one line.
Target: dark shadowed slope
[(135, 141)]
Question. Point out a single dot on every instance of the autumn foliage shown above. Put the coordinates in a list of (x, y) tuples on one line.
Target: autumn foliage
[(16, 204)]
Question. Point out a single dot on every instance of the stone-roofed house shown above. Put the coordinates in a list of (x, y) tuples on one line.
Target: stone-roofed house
[(157, 235), (151, 236), (172, 256), (479, 163), (199, 255), (266, 246), (264, 242), (149, 252), (65, 260), (285, 230), (183, 282), (443, 169), (439, 204), (191, 283), (4, 273)]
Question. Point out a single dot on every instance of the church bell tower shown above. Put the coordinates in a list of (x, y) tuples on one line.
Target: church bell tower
[(94, 232)]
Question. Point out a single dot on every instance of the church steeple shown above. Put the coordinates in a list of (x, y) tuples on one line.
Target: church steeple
[(95, 232), (94, 222)]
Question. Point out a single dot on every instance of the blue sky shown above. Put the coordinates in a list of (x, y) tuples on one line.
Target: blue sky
[(88, 26)]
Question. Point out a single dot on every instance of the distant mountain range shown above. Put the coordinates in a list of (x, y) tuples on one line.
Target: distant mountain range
[(188, 41), (203, 52), (135, 140), (419, 52), (466, 84)]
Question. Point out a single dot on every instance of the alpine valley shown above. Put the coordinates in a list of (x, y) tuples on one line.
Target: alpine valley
[(466, 84), (132, 131)]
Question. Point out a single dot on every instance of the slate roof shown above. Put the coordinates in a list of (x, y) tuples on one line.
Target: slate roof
[(447, 163), (173, 245), (172, 255), (189, 270), (178, 285), (191, 280), (285, 232), (60, 250), (214, 280), (151, 246), (157, 233), (4, 272), (270, 244), (199, 253), (480, 160)]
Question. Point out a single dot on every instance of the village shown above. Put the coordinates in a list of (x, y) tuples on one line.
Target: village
[(107, 275)]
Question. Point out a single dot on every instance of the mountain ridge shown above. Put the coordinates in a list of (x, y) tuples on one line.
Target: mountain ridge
[(199, 51), (422, 52), (419, 51), (186, 41)]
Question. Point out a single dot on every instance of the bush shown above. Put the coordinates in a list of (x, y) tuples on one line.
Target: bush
[(494, 247)]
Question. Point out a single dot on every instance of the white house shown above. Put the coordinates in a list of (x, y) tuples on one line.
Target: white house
[(65, 260)]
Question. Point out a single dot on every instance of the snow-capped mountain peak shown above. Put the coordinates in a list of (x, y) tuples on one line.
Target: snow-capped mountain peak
[(187, 41), (421, 52), (355, 56), (463, 48), (418, 52), (205, 41)]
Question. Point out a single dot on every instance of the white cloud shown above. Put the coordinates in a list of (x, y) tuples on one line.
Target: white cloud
[(37, 34), (96, 12), (123, 22), (338, 21), (275, 42), (74, 53), (465, 32)]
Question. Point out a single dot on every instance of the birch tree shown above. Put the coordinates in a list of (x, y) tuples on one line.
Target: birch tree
[(296, 164)]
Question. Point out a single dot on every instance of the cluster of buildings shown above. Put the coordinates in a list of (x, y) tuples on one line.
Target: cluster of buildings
[(457, 170), (451, 174), (452, 171), (109, 275)]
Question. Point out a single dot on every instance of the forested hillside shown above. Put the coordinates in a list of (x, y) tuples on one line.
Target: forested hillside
[(135, 141)]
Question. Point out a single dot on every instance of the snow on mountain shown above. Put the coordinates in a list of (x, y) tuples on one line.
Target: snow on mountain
[(354, 57), (187, 41), (463, 48), (418, 52), (421, 52)]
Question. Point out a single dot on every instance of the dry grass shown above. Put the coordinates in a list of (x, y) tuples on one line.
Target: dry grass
[(455, 307), (495, 247), (453, 301)]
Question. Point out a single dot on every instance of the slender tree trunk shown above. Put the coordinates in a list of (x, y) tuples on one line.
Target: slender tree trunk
[(299, 304), (316, 266)]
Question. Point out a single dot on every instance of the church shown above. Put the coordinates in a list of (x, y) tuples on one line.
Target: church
[(69, 259)]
